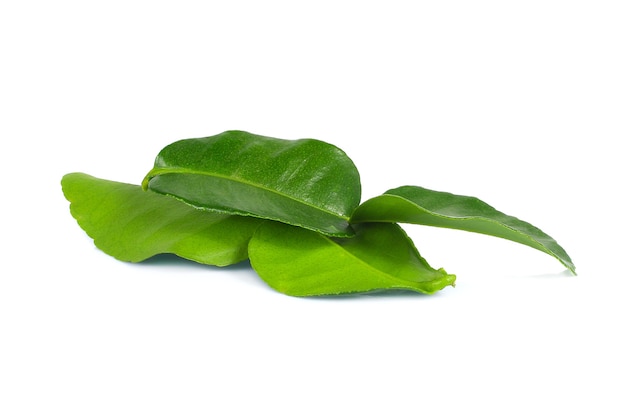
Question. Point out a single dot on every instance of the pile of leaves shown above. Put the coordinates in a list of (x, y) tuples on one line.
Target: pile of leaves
[(292, 207)]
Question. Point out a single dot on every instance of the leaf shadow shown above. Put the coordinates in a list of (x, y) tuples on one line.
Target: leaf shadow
[(549, 275), (377, 294), (167, 260)]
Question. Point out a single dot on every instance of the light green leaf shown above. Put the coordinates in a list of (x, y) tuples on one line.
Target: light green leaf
[(133, 225), (307, 182), (300, 262), (411, 204)]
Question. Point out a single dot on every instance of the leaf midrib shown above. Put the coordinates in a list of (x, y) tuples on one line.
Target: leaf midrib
[(160, 171), (372, 268)]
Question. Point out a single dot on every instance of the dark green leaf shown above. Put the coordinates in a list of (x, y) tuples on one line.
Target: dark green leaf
[(305, 182), (299, 262), (411, 204), (133, 225)]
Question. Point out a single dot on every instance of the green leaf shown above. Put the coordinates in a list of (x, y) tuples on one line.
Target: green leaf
[(307, 182), (133, 225), (411, 204), (299, 262)]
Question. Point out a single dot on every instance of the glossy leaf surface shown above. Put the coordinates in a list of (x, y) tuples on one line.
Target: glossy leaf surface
[(412, 204), (299, 262), (132, 225), (307, 182)]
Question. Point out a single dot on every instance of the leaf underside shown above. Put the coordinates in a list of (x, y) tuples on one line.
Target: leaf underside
[(132, 225), (306, 182), (417, 205), (299, 262)]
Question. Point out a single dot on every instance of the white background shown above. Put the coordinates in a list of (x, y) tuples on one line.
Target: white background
[(519, 103)]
